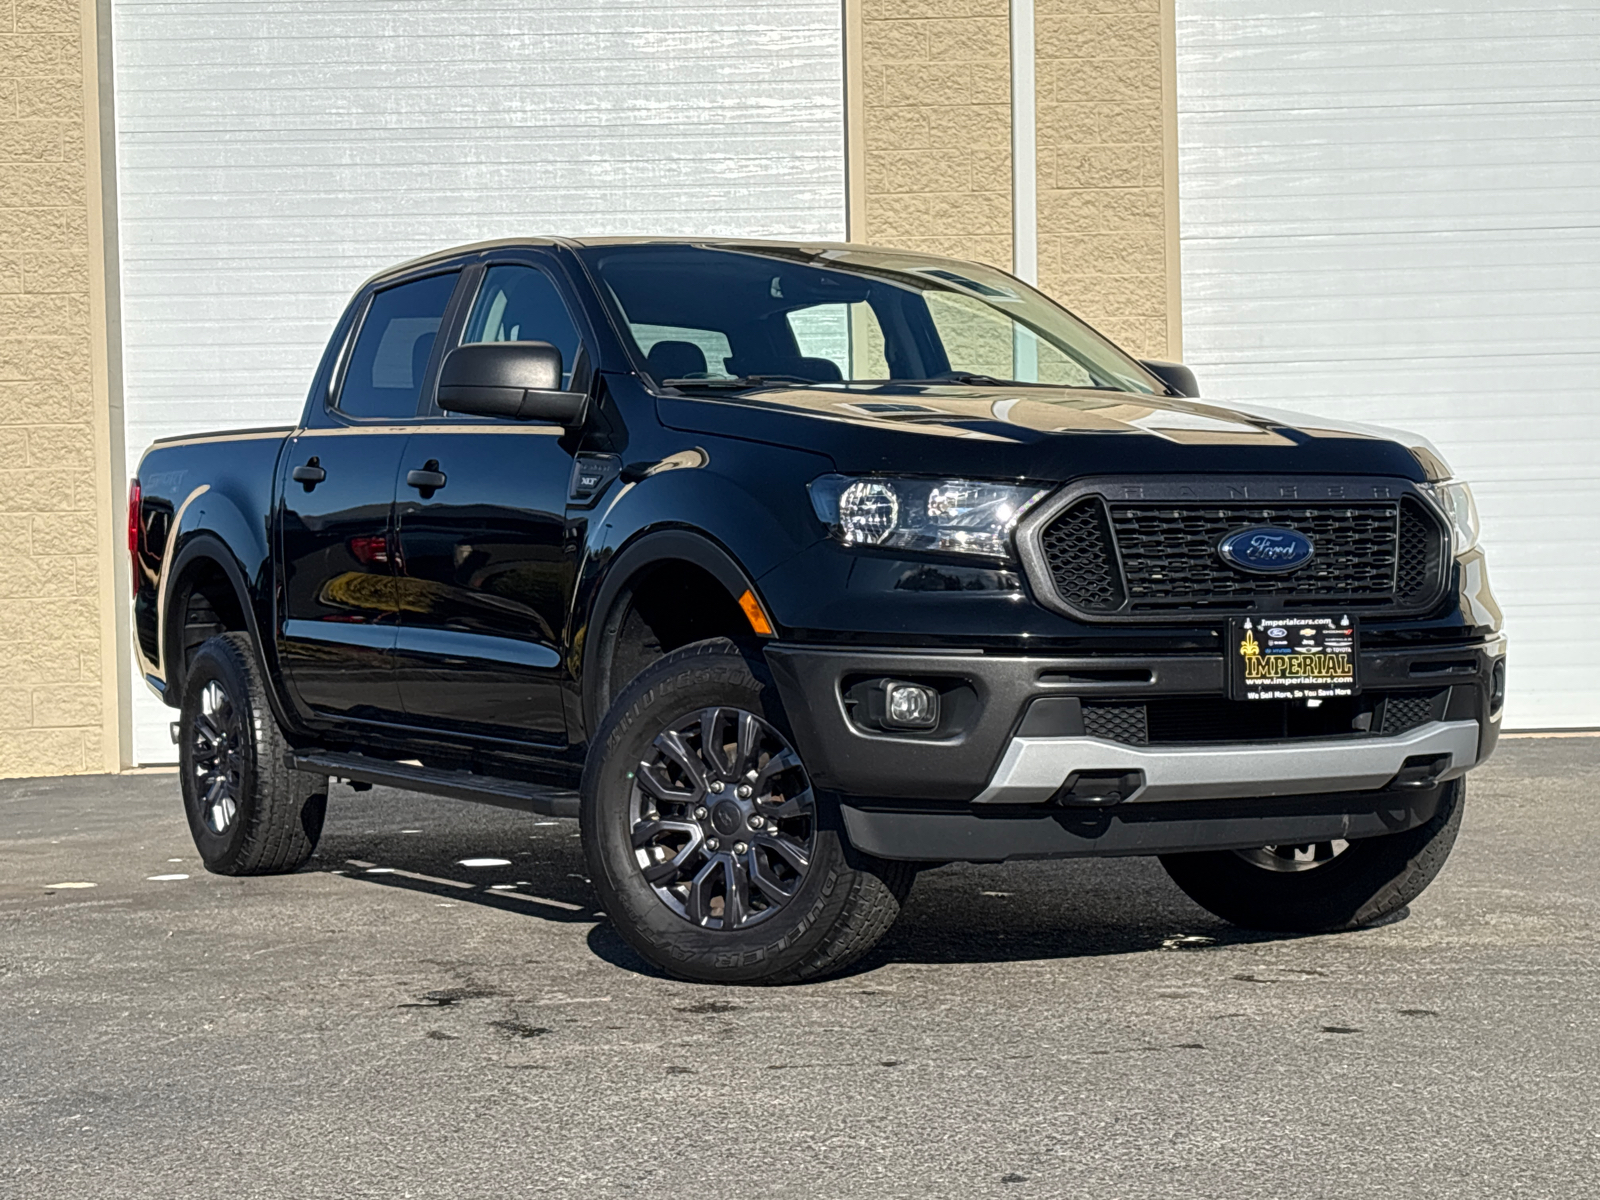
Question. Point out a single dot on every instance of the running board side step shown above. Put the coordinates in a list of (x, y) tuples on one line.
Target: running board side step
[(460, 785)]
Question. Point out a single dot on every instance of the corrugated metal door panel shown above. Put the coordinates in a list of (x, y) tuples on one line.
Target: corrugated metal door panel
[(272, 154), (1392, 216)]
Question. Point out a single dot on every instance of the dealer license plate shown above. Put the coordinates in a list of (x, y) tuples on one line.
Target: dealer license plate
[(1306, 658)]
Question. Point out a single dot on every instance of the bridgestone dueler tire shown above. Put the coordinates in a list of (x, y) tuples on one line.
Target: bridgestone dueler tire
[(279, 811), (846, 902), (1372, 879)]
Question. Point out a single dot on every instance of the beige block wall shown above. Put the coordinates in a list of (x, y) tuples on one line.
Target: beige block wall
[(58, 701), (933, 128)]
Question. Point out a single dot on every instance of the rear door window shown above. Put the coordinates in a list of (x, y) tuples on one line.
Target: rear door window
[(391, 353)]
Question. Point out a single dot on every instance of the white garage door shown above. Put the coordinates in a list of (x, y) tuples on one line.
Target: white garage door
[(273, 154), (1395, 217)]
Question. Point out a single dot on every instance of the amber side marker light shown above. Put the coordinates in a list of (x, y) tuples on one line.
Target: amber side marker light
[(753, 614)]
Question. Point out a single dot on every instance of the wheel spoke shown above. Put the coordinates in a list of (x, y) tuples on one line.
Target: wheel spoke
[(650, 780), (792, 806), (788, 849), (736, 895), (697, 905), (747, 745), (711, 741), (763, 876), (785, 760), (672, 745), (646, 832)]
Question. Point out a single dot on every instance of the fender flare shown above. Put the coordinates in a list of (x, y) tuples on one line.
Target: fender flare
[(663, 545), (206, 545)]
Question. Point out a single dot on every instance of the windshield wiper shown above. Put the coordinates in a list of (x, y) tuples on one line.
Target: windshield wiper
[(736, 381)]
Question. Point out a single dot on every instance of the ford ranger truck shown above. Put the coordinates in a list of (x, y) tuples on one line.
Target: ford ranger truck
[(789, 569)]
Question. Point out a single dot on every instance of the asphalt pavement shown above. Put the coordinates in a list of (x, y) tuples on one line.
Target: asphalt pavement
[(409, 1017)]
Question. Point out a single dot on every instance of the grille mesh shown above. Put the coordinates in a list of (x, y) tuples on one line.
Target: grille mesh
[(1124, 723), (1369, 554), (1082, 566), (1403, 712)]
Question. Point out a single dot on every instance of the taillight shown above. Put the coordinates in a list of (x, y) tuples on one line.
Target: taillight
[(134, 496)]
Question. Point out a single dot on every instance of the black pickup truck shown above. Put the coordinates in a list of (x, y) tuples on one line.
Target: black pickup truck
[(791, 568)]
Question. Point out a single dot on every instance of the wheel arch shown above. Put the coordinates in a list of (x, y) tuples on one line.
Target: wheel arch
[(684, 559)]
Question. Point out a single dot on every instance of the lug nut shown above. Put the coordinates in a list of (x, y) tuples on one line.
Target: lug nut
[(745, 791), (757, 821), (740, 847), (701, 813), (716, 786), (712, 843), (752, 775)]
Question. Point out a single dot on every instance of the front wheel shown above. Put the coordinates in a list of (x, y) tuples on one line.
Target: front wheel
[(712, 853), (1322, 887)]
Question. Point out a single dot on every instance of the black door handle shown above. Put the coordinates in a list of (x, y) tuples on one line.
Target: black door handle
[(311, 474), (427, 480)]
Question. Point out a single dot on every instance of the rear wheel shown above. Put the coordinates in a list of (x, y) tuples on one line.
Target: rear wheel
[(1322, 887), (712, 853), (250, 814)]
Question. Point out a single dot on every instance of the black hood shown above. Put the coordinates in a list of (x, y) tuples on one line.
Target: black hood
[(1045, 434)]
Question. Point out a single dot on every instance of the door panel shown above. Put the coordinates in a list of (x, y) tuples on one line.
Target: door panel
[(337, 608), (485, 578)]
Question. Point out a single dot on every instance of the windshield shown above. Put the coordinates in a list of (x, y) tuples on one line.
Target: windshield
[(732, 316)]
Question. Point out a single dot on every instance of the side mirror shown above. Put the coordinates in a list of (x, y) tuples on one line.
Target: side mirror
[(1178, 378), (520, 380)]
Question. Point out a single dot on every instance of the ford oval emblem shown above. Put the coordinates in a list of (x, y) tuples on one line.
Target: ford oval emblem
[(1266, 549)]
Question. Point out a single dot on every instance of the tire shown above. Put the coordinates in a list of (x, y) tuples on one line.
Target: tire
[(750, 880), (250, 814), (1364, 882)]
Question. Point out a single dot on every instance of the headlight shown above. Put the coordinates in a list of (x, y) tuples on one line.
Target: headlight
[(1456, 500), (948, 516)]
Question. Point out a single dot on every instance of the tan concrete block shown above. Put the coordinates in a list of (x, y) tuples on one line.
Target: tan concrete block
[(34, 54), (41, 185), (48, 16), (30, 141), (1067, 124), (971, 126), (970, 212), (889, 218), (65, 705), (8, 88), (973, 39), (1125, 81), (919, 171), (16, 710), (991, 169), (1132, 208), (36, 752), (1138, 123), (66, 533), (47, 401), (915, 85), (58, 447), (10, 270), (989, 83), (1063, 212), (13, 445), (875, 10), (27, 490), (50, 98), (23, 664), (1069, 37), (74, 619), (36, 228), (1125, 253), (1079, 8), (995, 251), (95, 751), (1152, 166), (35, 316), (58, 359), (874, 87), (16, 541), (893, 41), (1097, 167), (897, 129), (73, 146)]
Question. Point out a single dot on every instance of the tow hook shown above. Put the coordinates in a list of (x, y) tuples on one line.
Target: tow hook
[(1099, 789), (1421, 771)]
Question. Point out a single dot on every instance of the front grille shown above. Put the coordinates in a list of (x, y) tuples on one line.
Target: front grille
[(1145, 560), (1116, 723)]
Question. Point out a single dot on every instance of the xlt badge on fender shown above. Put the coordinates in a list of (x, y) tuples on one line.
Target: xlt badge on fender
[(1266, 549)]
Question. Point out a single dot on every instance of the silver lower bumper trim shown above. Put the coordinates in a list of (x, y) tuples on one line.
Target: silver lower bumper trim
[(1033, 769)]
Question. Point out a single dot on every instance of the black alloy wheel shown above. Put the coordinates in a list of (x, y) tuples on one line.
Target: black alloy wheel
[(724, 820), (713, 854), (216, 757)]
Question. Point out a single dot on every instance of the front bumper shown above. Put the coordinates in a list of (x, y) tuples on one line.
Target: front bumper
[(1003, 776)]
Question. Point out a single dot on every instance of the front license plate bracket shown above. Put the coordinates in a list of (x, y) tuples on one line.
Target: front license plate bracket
[(1295, 658)]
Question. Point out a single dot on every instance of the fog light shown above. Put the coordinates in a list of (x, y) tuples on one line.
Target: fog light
[(909, 705)]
